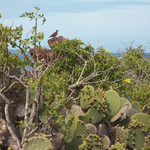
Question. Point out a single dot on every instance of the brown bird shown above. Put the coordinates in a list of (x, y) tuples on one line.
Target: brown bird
[(54, 34)]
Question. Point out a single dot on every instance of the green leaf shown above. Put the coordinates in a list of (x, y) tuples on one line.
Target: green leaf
[(37, 8)]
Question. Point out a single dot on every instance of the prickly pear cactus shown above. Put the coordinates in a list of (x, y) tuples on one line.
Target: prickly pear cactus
[(81, 129), (99, 110), (125, 106), (76, 110), (131, 112), (105, 140), (74, 145), (86, 117), (144, 118), (38, 143), (147, 142), (80, 134), (119, 134), (99, 94), (136, 106), (91, 129), (92, 142), (70, 129), (138, 130), (113, 102), (86, 95), (117, 146)]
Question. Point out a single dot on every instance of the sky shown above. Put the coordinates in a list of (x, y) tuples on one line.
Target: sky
[(113, 24)]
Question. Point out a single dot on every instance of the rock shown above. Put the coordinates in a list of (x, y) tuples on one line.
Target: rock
[(55, 39), (20, 110), (76, 110), (102, 130), (57, 141), (43, 55)]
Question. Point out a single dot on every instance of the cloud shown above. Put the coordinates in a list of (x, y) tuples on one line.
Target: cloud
[(12, 9), (107, 21), (76, 6)]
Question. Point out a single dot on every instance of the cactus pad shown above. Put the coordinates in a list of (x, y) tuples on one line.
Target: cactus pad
[(92, 142), (76, 110), (86, 117), (86, 94), (74, 145), (125, 106), (138, 130), (38, 143), (99, 110), (99, 94), (117, 146), (144, 118), (81, 130), (113, 101), (91, 129), (70, 129), (105, 141), (136, 106), (119, 135)]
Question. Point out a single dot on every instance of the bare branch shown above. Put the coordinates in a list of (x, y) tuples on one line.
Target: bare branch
[(35, 103), (32, 131), (26, 113), (10, 125)]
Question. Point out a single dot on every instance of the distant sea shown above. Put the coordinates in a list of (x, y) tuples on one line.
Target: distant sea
[(146, 55)]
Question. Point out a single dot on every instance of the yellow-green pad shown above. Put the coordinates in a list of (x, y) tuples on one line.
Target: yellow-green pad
[(70, 129), (86, 94), (144, 118), (113, 102), (38, 143), (138, 130)]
